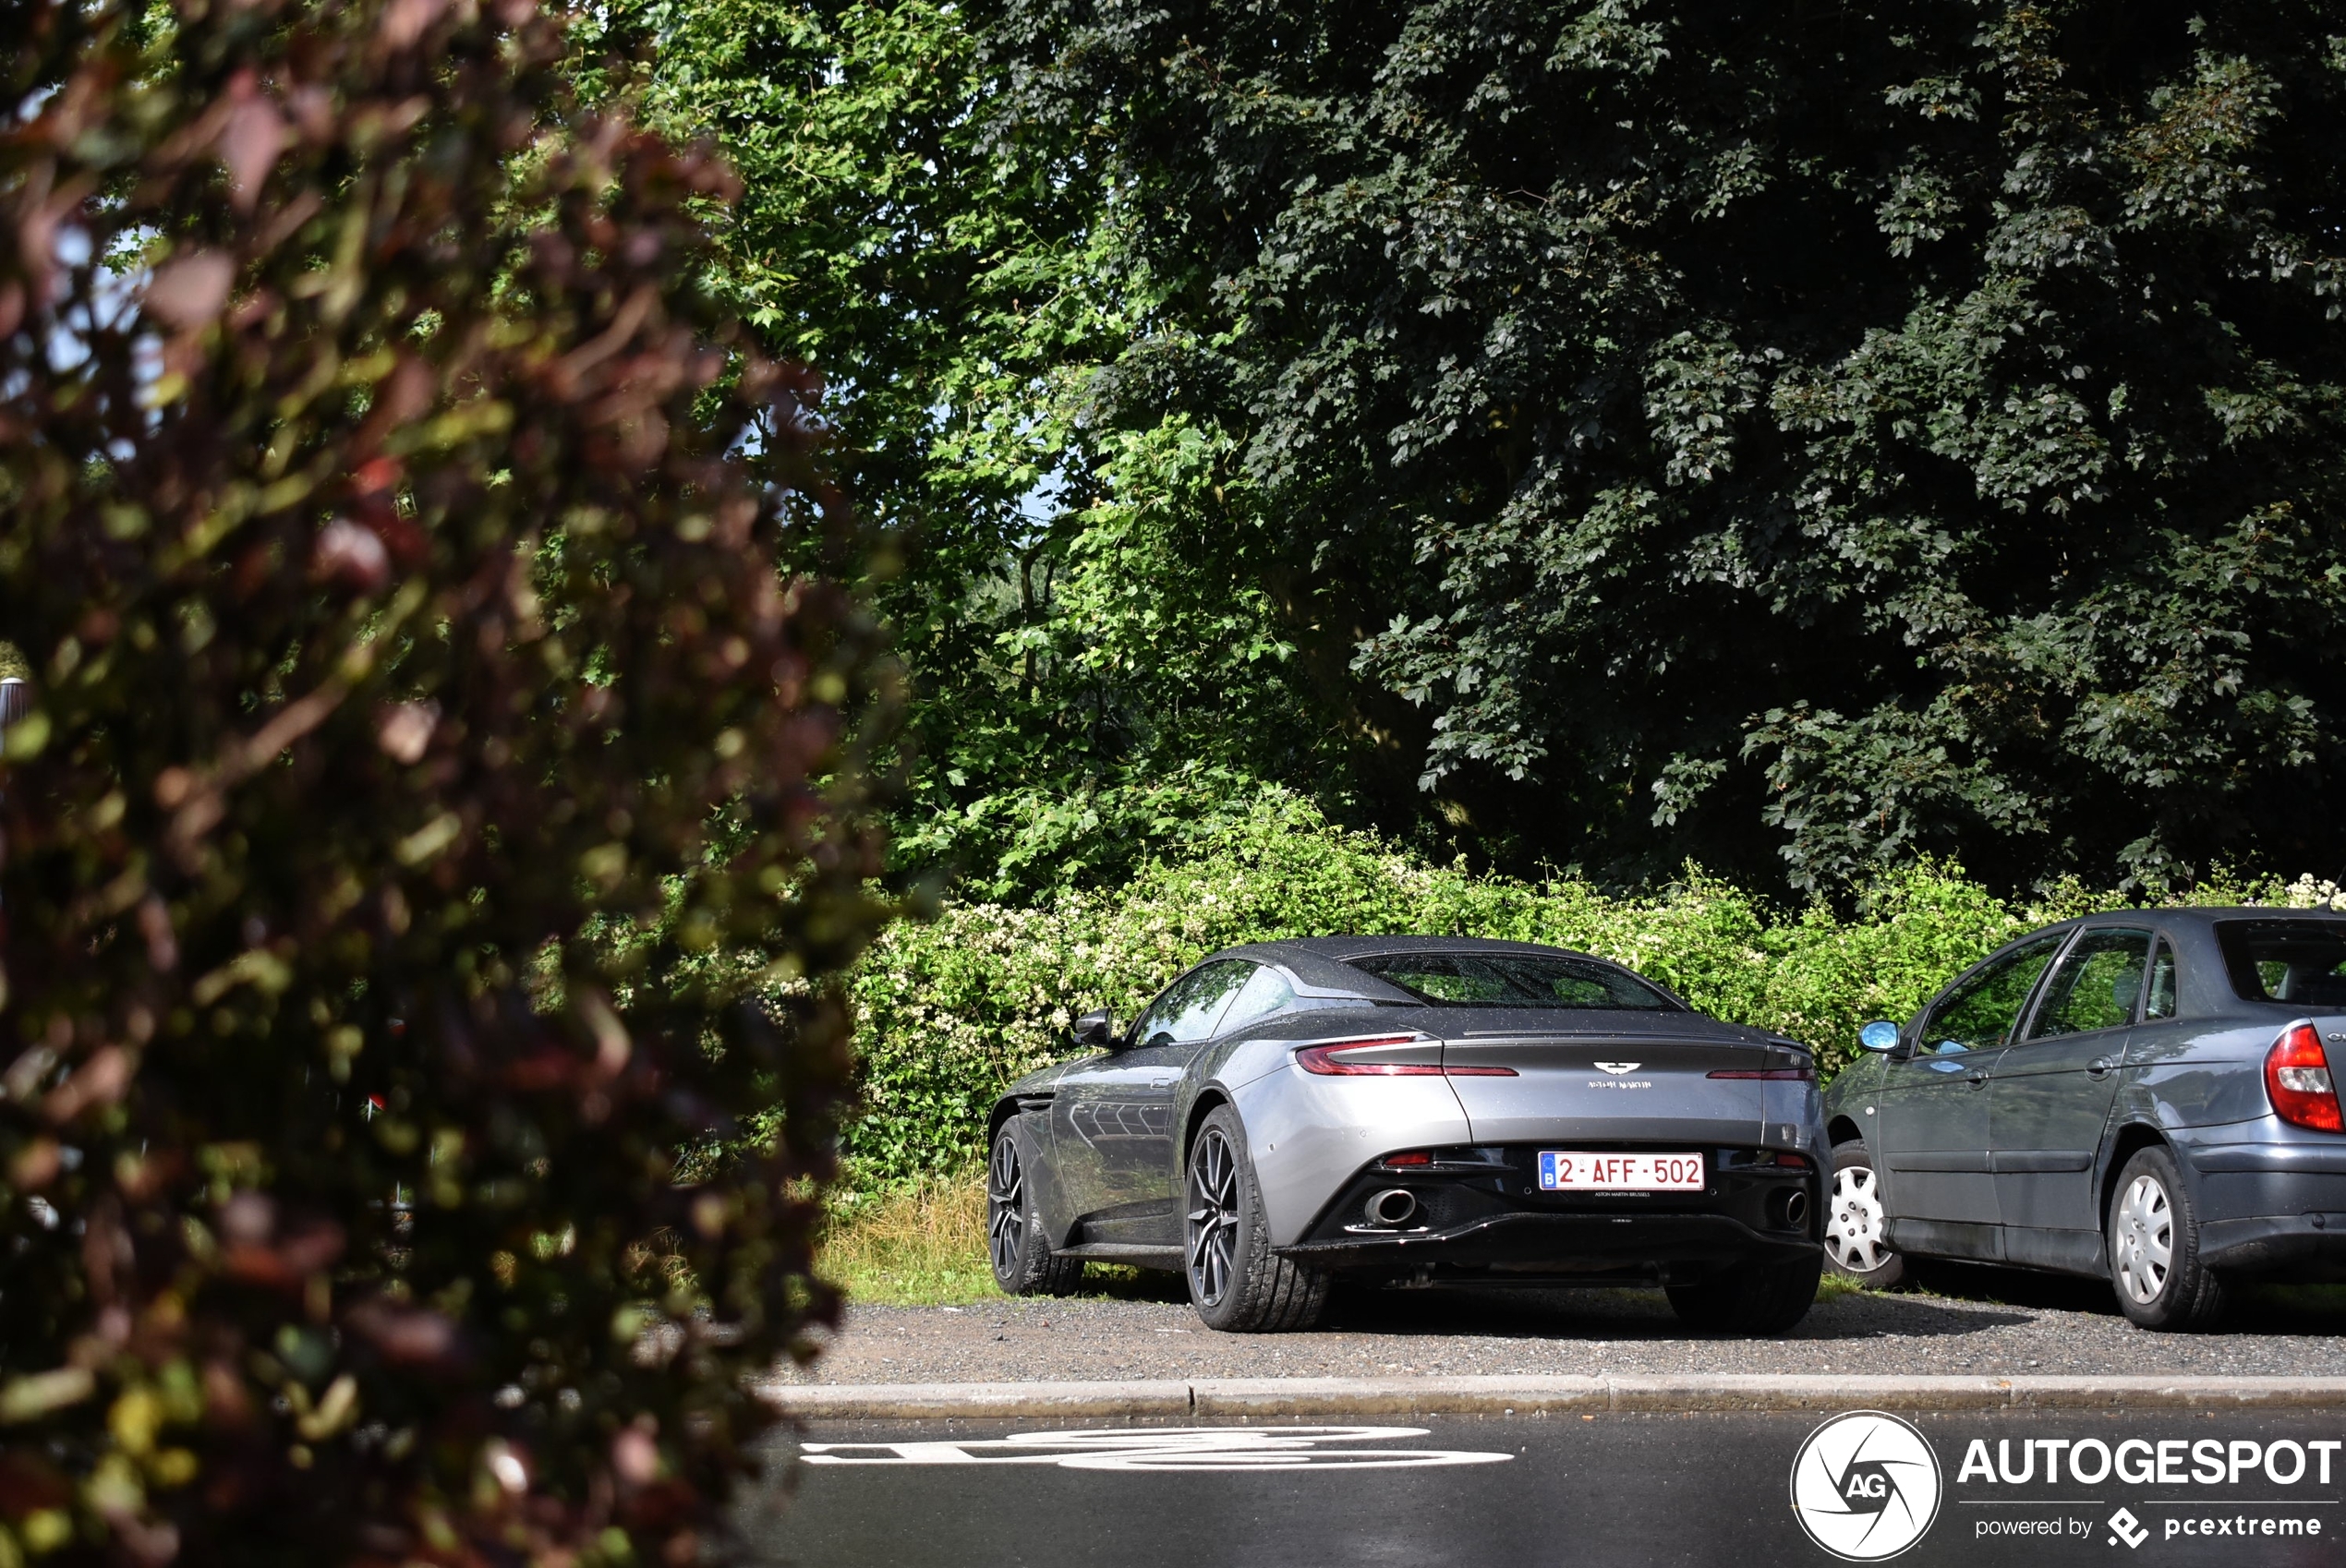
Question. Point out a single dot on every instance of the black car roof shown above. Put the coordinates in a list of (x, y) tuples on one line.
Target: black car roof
[(2203, 918), (1348, 947), (2220, 911)]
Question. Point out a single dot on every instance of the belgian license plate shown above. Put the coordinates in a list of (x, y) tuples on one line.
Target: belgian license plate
[(1566, 1170)]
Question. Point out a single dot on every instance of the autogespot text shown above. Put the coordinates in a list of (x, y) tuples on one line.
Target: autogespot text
[(2186, 1464), (2165, 1461)]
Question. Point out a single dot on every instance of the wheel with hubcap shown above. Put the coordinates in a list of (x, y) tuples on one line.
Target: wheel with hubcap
[(1236, 1282), (1856, 1225), (1023, 1261), (2153, 1240)]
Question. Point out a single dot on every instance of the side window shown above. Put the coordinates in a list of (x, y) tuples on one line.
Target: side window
[(1264, 993), (2161, 1001), (1151, 1027), (1980, 1012), (2302, 963), (2096, 986), (1192, 1006)]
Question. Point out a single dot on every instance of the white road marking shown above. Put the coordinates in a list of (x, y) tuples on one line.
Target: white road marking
[(1166, 1448)]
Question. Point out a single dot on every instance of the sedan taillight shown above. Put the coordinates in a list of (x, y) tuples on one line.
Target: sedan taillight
[(1786, 1074), (1334, 1060), (2297, 1082)]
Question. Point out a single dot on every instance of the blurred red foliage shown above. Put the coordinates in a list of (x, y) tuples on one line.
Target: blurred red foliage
[(447, 803)]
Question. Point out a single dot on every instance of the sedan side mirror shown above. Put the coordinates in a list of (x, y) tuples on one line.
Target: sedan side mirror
[(1095, 1029), (1879, 1035)]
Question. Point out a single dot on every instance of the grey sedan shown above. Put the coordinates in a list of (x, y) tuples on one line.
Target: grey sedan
[(1417, 1111), (2143, 1095)]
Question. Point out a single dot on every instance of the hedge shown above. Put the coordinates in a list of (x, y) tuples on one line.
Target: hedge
[(951, 1010)]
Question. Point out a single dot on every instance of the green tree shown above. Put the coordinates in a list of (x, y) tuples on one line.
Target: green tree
[(424, 728), (1828, 434), (1097, 665)]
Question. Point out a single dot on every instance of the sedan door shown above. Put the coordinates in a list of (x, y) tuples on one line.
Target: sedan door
[(1112, 1118), (1939, 1184), (2051, 1097)]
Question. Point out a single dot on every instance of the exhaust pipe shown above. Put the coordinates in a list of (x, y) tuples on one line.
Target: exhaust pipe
[(1794, 1209), (1393, 1206)]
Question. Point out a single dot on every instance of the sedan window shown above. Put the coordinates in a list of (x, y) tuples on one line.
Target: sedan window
[(1192, 1006), (1980, 1011), (2298, 961), (1265, 993), (2095, 986), (2161, 1001)]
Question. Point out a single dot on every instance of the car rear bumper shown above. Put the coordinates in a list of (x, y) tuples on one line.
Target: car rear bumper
[(1480, 1216), (2308, 1157), (1593, 1249), (2306, 1247), (2273, 1208)]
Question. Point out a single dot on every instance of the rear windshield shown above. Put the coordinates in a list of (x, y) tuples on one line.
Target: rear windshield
[(1514, 980), (2299, 961)]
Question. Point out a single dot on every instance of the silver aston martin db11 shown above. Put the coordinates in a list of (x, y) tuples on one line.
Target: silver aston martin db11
[(1420, 1111)]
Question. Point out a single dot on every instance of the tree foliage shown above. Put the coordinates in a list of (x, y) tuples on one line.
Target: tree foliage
[(1839, 432), (1099, 668), (393, 527)]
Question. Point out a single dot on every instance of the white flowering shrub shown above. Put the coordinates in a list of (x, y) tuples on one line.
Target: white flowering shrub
[(2307, 893), (951, 1011)]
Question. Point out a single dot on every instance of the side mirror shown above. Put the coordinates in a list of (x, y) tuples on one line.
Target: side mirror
[(1095, 1029), (1879, 1035)]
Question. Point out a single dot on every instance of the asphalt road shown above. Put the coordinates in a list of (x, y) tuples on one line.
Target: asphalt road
[(1974, 1320), (1621, 1490)]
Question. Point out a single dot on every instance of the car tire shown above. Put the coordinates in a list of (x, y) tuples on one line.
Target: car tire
[(2152, 1239), (1856, 1225), (1023, 1261), (1236, 1283), (1751, 1298)]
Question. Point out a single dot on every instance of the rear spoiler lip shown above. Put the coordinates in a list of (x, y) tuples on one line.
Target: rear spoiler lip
[(1803, 1057), (1547, 1036)]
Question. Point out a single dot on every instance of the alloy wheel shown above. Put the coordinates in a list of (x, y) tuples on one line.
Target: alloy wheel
[(2143, 1237), (1855, 1236), (1213, 1216), (1005, 1207)]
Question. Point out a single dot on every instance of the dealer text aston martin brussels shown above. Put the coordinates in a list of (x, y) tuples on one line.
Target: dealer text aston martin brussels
[(2143, 1095), (1417, 1111)]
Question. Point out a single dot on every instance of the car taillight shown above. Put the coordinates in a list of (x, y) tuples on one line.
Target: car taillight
[(2297, 1080), (1786, 1075), (1409, 1157), (1330, 1060), (1334, 1060)]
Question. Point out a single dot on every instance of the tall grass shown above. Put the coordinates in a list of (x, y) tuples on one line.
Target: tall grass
[(912, 1244), (923, 1244)]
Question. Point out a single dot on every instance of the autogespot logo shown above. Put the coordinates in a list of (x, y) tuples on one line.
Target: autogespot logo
[(1865, 1486)]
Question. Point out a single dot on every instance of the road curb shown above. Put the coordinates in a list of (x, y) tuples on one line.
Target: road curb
[(1226, 1397)]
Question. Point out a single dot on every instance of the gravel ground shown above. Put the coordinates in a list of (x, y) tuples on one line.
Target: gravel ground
[(1972, 1321)]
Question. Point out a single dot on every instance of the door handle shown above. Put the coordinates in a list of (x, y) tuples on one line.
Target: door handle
[(2100, 1067), (1975, 1078)]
